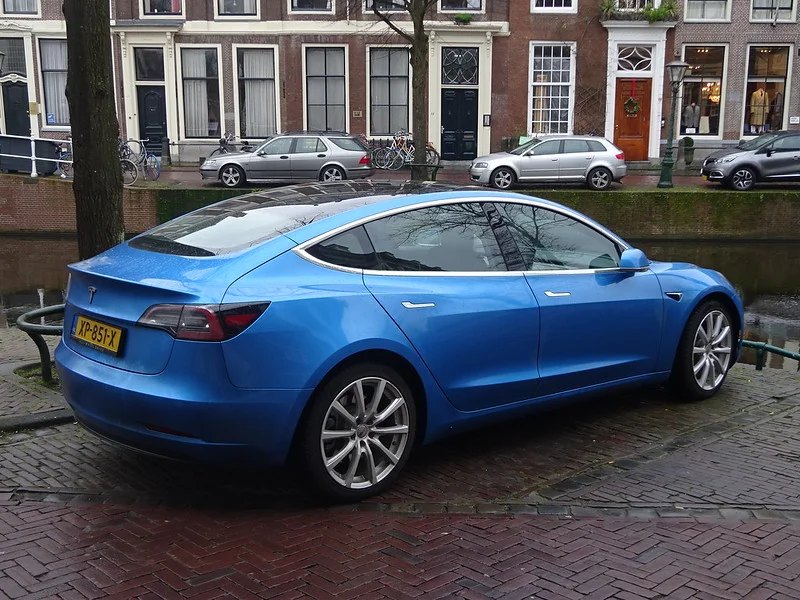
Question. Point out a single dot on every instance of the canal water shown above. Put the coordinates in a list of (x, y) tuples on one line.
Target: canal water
[(767, 275)]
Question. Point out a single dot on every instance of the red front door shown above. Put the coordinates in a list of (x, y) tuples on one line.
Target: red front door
[(632, 118)]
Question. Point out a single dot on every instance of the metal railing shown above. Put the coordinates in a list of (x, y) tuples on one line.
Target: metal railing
[(37, 330), (32, 156), (762, 348)]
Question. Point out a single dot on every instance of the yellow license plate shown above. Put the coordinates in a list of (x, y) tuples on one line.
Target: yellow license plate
[(705, 177), (98, 335)]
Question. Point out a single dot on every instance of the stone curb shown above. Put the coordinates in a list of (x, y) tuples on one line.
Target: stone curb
[(35, 420)]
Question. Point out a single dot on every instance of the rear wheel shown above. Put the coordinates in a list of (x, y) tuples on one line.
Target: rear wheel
[(130, 172), (331, 173), (65, 168), (359, 432), (704, 351), (152, 167), (431, 157), (599, 179), (502, 178), (743, 179), (232, 176)]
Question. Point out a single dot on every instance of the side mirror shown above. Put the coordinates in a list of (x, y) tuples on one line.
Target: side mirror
[(633, 259)]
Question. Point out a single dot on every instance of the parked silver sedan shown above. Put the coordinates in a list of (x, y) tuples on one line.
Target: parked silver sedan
[(553, 159), (321, 156)]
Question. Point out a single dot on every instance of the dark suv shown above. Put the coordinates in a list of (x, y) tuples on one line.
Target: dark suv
[(771, 157)]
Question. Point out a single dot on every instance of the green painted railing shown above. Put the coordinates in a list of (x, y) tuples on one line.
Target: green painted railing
[(762, 348)]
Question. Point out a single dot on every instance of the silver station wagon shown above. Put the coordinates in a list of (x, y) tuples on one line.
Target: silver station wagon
[(553, 159), (320, 156)]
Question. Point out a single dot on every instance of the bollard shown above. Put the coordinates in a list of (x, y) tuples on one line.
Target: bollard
[(166, 159)]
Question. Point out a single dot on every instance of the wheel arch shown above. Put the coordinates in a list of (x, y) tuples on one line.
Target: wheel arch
[(726, 301), (338, 165), (749, 165), (385, 357), (231, 164)]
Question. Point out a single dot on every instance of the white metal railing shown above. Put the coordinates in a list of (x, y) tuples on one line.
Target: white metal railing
[(32, 156)]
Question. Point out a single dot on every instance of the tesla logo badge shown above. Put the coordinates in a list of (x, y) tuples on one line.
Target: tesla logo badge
[(92, 291)]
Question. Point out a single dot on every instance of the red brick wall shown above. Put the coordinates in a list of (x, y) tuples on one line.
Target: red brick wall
[(47, 204)]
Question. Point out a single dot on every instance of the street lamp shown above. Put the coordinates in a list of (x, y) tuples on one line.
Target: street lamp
[(675, 71)]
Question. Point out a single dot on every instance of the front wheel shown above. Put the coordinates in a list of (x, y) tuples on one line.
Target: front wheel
[(232, 176), (65, 168), (502, 178), (704, 351), (331, 174), (743, 179), (432, 157), (130, 172), (152, 167), (359, 432), (599, 179)]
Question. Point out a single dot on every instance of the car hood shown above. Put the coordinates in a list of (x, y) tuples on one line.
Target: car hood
[(726, 152), (492, 157), (229, 156)]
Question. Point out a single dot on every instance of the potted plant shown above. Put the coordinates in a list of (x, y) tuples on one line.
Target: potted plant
[(462, 18), (688, 149)]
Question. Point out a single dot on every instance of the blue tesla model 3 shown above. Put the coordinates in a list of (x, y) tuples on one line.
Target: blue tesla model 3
[(346, 323)]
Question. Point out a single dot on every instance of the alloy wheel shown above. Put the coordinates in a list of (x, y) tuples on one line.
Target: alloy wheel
[(230, 176), (711, 352), (365, 433), (743, 179)]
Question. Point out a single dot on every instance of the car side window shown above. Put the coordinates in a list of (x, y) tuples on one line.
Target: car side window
[(450, 237), (548, 147), (549, 240), (349, 249), (595, 146), (575, 146), (309, 145), (789, 143), (279, 146)]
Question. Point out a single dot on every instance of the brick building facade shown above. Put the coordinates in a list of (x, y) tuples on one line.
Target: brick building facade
[(192, 70)]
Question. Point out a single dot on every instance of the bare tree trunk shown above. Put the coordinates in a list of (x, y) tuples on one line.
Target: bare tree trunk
[(97, 183), (419, 85)]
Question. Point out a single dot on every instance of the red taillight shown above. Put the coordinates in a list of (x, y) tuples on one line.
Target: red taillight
[(202, 322), (364, 160), (621, 156)]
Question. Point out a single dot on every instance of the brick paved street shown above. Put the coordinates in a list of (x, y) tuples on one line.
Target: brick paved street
[(638, 496)]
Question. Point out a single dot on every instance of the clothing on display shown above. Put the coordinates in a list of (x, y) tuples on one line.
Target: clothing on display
[(691, 116), (759, 109)]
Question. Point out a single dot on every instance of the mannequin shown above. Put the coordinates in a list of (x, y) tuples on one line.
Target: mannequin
[(759, 108), (691, 117)]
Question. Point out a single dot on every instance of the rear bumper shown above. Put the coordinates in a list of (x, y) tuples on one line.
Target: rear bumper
[(196, 417), (360, 172)]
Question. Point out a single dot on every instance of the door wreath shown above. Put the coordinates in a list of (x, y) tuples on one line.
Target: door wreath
[(632, 107)]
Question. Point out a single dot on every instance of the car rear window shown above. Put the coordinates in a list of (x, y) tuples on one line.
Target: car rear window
[(349, 143), (246, 221)]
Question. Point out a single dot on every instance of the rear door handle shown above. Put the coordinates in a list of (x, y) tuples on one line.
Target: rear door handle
[(407, 304), (550, 294), (321, 155)]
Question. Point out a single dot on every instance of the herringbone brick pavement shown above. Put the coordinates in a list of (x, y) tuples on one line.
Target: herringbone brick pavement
[(77, 552)]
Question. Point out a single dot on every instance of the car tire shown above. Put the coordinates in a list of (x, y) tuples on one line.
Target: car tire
[(599, 179), (231, 176), (332, 173), (704, 351), (743, 179), (502, 178), (343, 450)]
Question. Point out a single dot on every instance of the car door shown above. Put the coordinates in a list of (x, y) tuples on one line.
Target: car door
[(444, 281), (598, 324), (540, 163), (781, 161), (272, 160), (574, 160), (310, 153)]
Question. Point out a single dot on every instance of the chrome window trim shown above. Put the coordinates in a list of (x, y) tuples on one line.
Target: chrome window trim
[(300, 249)]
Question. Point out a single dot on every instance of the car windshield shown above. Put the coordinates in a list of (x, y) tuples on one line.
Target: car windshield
[(520, 150), (758, 142)]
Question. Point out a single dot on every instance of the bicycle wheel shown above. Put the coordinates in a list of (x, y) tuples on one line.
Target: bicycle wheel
[(138, 151), (130, 172), (380, 158), (396, 159), (65, 168), (432, 157), (219, 150), (152, 167)]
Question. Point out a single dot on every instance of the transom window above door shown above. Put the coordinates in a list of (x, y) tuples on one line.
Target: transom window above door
[(460, 66)]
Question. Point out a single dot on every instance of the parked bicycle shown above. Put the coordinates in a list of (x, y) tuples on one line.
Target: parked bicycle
[(401, 152), (136, 151), (64, 165), (227, 144)]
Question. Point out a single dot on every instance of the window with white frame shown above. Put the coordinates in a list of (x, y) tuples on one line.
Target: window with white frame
[(551, 87), (624, 5), (701, 107), (201, 106), (162, 7), (767, 69), (255, 69), (707, 10), (385, 5), (325, 89), (554, 5), (388, 90), (20, 7), (53, 61), (14, 51), (237, 8), (315, 5), (461, 4), (772, 10)]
